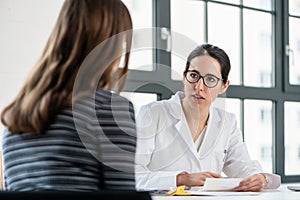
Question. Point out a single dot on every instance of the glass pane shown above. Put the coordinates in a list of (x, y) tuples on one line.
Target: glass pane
[(258, 131), (292, 137), (260, 4), (231, 1), (178, 66), (294, 7), (139, 99), (141, 13), (224, 32), (230, 105), (258, 58), (294, 57), (187, 18)]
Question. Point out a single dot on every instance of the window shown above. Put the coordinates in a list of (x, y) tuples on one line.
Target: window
[(298, 80), (265, 116), (292, 138), (265, 79), (183, 16), (258, 130), (293, 52), (141, 56), (298, 45), (261, 40), (266, 153), (258, 55)]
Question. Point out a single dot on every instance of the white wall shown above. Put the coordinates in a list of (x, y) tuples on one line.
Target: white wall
[(25, 26)]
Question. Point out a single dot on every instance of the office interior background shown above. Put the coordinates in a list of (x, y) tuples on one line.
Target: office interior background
[(261, 37)]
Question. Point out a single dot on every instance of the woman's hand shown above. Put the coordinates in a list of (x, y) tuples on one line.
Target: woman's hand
[(254, 183), (195, 179)]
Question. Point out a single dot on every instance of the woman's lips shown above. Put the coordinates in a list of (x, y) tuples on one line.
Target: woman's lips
[(198, 97)]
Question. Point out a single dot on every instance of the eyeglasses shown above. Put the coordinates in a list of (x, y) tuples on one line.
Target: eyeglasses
[(209, 80)]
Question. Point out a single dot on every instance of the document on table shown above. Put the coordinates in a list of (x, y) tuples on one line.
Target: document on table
[(195, 193), (224, 184), (220, 187), (202, 192)]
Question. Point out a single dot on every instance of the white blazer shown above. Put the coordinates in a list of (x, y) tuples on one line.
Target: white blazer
[(165, 146)]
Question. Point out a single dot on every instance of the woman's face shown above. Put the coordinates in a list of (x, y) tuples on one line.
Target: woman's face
[(198, 94)]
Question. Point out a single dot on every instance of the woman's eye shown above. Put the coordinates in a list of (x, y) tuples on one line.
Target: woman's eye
[(211, 79), (194, 75)]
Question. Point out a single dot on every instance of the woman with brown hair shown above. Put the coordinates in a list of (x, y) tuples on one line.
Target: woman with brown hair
[(66, 130), (186, 139)]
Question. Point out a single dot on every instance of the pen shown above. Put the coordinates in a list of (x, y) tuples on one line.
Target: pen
[(225, 155)]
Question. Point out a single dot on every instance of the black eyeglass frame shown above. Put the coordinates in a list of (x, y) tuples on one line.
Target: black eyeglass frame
[(203, 77)]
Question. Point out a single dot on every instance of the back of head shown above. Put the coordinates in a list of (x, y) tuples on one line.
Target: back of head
[(80, 27)]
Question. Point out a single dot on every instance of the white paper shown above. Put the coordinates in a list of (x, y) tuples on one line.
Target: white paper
[(199, 191), (216, 184), (203, 193)]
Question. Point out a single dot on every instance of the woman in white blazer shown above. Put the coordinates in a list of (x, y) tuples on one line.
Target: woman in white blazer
[(184, 140)]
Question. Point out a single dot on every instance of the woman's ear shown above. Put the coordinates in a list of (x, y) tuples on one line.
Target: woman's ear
[(225, 87)]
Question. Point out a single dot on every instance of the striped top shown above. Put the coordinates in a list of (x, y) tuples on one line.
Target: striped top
[(87, 148)]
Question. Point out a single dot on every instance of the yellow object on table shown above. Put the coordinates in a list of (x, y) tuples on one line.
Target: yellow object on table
[(180, 191)]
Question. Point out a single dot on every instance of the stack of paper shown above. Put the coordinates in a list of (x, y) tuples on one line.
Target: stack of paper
[(221, 184), (220, 187)]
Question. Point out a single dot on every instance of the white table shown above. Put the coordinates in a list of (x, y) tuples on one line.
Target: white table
[(281, 194)]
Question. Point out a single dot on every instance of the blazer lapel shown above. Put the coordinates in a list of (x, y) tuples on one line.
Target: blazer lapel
[(183, 130), (213, 130)]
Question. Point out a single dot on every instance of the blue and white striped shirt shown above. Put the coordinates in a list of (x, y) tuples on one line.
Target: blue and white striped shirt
[(87, 148)]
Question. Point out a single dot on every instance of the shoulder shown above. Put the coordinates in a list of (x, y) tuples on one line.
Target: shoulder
[(8, 137), (159, 112), (105, 99), (157, 108), (154, 106), (106, 96), (224, 115), (171, 105)]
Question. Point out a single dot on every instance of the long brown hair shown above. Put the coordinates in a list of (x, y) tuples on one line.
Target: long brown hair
[(80, 27)]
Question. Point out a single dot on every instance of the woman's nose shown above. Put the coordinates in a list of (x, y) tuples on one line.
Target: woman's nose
[(200, 85)]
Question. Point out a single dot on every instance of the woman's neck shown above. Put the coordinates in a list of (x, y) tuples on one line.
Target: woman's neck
[(196, 118), (195, 113)]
